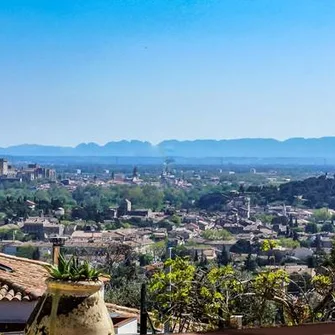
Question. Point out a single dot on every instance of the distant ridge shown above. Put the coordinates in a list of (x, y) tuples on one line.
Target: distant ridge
[(262, 148)]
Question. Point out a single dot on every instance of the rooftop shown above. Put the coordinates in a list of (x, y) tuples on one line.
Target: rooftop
[(39, 220), (117, 311), (13, 278)]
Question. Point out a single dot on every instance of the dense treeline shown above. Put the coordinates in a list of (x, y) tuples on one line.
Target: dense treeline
[(93, 202), (315, 192), (90, 202)]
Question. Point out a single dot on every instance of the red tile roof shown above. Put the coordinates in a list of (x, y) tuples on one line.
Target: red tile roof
[(8, 294), (123, 311), (21, 279)]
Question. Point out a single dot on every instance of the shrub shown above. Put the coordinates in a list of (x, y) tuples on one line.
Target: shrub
[(72, 270)]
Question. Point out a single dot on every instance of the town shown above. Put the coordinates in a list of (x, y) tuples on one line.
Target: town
[(130, 221), (167, 167)]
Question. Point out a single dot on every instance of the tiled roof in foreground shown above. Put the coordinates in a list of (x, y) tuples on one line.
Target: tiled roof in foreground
[(8, 294), (123, 311), (21, 279)]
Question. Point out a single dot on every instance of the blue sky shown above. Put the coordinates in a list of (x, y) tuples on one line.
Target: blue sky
[(101, 70)]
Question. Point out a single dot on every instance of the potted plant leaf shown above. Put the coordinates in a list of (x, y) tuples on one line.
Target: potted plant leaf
[(72, 304)]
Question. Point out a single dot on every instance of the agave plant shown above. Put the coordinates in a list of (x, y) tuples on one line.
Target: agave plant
[(72, 270)]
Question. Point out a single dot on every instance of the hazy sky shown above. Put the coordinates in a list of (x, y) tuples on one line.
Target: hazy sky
[(93, 70)]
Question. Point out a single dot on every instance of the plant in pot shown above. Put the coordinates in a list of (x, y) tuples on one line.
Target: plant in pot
[(72, 304)]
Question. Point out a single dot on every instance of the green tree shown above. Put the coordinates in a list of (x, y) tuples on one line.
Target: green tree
[(224, 258), (268, 246), (268, 286), (311, 228), (216, 234), (212, 295), (28, 251), (11, 233), (241, 247), (171, 289), (250, 264), (322, 215), (176, 219), (159, 249), (289, 243), (221, 291), (328, 227), (145, 259), (330, 261), (264, 218), (127, 294)]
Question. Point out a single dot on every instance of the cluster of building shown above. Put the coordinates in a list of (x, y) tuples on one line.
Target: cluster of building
[(186, 228), (182, 228), (95, 244), (237, 219), (30, 173)]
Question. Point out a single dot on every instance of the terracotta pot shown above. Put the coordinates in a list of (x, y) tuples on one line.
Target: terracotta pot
[(70, 308)]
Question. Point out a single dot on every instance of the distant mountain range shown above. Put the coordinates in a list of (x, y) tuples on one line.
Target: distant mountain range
[(258, 148)]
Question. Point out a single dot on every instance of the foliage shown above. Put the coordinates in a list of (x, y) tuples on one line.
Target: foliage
[(117, 253), (268, 245), (145, 259), (250, 264), (159, 249), (212, 201), (176, 219), (200, 297), (28, 251), (299, 282), (322, 214), (125, 295), (241, 247), (216, 234), (264, 218), (328, 227), (224, 258), (172, 291), (125, 225), (289, 243), (89, 202), (306, 243), (125, 284), (72, 270), (269, 283), (212, 295), (8, 233), (311, 228), (221, 292), (314, 192), (269, 286), (125, 276)]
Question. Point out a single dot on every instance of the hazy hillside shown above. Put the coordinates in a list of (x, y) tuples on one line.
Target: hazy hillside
[(262, 148)]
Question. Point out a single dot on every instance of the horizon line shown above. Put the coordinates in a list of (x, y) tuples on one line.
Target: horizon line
[(167, 140)]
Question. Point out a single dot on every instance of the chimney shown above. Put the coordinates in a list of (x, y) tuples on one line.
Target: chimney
[(57, 243)]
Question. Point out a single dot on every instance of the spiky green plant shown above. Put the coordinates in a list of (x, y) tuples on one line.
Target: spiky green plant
[(72, 270)]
